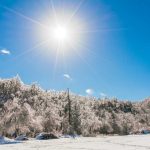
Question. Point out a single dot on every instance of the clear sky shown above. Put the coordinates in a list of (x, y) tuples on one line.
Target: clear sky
[(109, 56)]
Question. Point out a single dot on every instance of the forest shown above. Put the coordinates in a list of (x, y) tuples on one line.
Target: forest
[(29, 109)]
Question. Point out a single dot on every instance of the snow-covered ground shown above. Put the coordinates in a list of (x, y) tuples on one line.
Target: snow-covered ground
[(4, 140), (137, 142)]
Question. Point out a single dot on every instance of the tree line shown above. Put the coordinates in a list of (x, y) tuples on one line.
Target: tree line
[(28, 109)]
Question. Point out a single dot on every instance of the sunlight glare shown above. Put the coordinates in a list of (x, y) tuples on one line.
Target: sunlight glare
[(61, 33)]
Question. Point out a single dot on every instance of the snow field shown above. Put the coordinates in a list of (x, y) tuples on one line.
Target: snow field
[(132, 142)]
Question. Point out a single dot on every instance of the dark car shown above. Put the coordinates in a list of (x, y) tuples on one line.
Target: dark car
[(145, 131), (46, 136), (21, 138)]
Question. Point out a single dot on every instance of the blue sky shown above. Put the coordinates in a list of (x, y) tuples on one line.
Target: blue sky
[(113, 59)]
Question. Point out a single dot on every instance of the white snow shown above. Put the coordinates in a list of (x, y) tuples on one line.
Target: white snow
[(132, 142), (4, 140)]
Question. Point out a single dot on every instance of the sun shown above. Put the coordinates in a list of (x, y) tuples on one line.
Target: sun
[(61, 33)]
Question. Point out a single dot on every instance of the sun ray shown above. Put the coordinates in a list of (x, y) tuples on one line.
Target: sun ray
[(31, 49), (82, 58), (54, 12), (95, 73), (56, 61), (91, 51), (64, 62), (102, 30), (75, 11), (24, 16), (25, 52), (83, 46)]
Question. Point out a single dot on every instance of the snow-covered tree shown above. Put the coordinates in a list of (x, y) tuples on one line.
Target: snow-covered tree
[(29, 109)]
